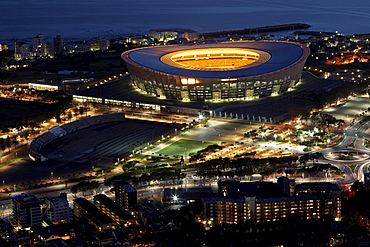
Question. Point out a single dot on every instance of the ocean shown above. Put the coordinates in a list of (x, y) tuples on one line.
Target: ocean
[(84, 19)]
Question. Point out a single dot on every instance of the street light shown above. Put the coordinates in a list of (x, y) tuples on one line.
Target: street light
[(263, 134)]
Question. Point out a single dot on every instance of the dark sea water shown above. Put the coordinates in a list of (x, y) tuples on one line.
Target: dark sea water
[(83, 19)]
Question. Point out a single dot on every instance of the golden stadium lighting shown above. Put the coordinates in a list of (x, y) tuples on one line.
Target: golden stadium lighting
[(215, 58)]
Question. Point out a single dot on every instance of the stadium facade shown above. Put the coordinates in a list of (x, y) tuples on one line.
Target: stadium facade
[(230, 71)]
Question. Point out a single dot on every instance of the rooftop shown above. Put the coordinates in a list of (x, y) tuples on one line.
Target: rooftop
[(128, 188), (93, 210), (21, 198), (223, 199), (114, 208), (277, 56)]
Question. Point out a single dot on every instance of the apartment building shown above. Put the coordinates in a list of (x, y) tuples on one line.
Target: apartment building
[(304, 207), (21, 50), (107, 206), (125, 195), (26, 210), (236, 202), (226, 210), (84, 209), (57, 209)]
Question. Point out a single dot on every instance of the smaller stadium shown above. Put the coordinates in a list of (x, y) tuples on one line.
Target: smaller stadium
[(231, 71), (90, 140)]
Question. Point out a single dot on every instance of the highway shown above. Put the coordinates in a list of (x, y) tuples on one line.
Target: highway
[(353, 143)]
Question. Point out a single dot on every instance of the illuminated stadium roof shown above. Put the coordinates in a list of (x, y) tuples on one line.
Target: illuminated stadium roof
[(220, 60)]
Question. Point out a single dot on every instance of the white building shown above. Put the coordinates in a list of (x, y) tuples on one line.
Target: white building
[(38, 43), (77, 48), (171, 34), (99, 44), (46, 86), (40, 48), (57, 209), (21, 50)]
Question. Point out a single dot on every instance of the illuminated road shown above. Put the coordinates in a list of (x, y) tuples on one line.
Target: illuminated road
[(353, 142)]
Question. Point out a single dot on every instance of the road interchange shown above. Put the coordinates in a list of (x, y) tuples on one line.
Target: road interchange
[(352, 143)]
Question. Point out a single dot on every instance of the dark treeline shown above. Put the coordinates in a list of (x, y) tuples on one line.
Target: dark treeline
[(245, 166)]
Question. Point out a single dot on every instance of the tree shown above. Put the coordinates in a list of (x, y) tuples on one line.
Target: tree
[(81, 110), (144, 178), (327, 120), (74, 190), (3, 146), (69, 115), (5, 56), (7, 141), (15, 142)]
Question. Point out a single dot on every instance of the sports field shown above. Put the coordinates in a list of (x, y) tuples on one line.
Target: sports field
[(178, 147)]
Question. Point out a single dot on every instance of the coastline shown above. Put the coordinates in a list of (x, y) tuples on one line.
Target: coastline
[(256, 30), (291, 28), (215, 34)]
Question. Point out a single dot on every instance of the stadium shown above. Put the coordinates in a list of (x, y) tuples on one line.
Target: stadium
[(93, 139), (231, 71)]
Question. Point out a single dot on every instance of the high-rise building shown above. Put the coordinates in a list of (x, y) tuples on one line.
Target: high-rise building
[(38, 43), (21, 50), (26, 210), (125, 194), (57, 209), (58, 44), (40, 48)]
